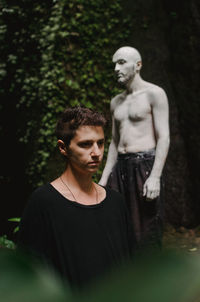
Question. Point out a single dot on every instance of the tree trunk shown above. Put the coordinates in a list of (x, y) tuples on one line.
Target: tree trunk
[(167, 35)]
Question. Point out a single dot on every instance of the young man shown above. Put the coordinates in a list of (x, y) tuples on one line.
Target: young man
[(76, 226), (139, 146)]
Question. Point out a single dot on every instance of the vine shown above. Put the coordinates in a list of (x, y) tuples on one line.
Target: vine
[(59, 55)]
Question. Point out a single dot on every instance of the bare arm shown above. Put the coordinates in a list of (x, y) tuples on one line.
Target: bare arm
[(160, 113), (112, 153)]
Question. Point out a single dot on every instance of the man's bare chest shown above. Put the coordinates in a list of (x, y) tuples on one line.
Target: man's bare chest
[(133, 109)]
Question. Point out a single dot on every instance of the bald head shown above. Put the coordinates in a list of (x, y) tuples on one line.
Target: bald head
[(128, 63), (129, 53)]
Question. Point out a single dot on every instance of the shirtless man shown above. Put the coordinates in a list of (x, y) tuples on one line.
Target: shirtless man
[(139, 146)]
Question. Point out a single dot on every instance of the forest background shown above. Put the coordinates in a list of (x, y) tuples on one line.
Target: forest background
[(55, 54)]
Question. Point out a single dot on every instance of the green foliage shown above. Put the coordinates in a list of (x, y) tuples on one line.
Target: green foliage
[(6, 243), (165, 277), (15, 219), (57, 54), (26, 280)]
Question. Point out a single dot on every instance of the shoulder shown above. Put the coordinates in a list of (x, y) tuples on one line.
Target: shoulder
[(116, 101), (157, 95), (39, 196), (41, 191), (115, 197), (116, 203)]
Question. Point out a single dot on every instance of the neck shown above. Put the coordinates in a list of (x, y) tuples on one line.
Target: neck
[(135, 84), (78, 180)]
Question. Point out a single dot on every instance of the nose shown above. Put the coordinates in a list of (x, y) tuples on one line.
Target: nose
[(116, 68), (95, 150)]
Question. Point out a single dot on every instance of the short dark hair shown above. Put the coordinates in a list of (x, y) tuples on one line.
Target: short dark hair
[(74, 117)]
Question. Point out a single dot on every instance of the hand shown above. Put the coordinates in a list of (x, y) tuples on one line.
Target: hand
[(151, 187)]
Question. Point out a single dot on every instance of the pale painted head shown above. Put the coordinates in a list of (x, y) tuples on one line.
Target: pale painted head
[(127, 62)]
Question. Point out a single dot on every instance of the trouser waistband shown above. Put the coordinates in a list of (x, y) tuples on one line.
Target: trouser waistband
[(139, 155)]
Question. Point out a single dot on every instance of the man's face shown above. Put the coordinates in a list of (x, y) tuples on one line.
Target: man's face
[(125, 66), (86, 149)]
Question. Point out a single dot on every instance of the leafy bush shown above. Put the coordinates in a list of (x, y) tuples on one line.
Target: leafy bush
[(6, 243), (56, 54)]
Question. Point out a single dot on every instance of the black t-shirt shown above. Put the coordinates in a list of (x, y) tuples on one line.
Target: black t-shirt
[(81, 242)]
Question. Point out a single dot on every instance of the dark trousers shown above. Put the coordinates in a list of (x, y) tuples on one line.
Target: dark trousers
[(128, 177)]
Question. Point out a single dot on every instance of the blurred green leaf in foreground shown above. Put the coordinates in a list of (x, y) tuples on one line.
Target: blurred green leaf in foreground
[(24, 280), (164, 277)]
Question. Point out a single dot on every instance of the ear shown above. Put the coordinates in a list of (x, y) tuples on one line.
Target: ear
[(139, 65), (62, 147)]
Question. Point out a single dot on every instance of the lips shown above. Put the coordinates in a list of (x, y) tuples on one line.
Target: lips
[(94, 163), (120, 77)]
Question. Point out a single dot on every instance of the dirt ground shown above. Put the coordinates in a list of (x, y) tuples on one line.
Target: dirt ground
[(182, 239)]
